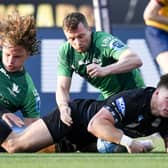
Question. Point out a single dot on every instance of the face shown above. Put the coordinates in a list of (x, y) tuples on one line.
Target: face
[(80, 38), (13, 57), (161, 102)]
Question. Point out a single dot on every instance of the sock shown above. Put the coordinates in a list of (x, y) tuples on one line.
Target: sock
[(5, 130)]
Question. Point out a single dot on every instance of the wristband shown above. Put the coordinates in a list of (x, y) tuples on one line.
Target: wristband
[(126, 141), (5, 130)]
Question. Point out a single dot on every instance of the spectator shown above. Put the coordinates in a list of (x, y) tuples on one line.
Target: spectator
[(156, 19)]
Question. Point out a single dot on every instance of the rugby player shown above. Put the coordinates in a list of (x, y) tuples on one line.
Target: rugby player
[(118, 119)]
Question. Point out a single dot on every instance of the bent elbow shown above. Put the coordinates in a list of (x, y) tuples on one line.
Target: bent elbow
[(93, 127), (90, 127)]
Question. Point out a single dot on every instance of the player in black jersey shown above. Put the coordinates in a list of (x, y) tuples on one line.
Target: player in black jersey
[(118, 119)]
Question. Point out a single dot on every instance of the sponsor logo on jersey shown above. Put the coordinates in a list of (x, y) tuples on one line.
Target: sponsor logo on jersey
[(121, 105), (87, 62), (116, 44)]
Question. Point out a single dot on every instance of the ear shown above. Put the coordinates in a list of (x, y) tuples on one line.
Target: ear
[(157, 91)]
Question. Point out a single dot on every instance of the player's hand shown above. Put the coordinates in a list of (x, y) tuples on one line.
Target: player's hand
[(12, 120), (140, 146), (65, 114), (95, 70)]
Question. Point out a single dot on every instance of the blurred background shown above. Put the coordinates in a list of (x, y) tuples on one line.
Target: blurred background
[(122, 18)]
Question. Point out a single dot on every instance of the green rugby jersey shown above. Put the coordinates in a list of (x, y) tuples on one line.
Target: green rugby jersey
[(17, 92), (105, 49)]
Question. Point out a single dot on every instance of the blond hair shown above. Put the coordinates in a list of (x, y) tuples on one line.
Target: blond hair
[(20, 30)]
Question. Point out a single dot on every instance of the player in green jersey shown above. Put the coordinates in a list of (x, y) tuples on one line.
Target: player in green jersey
[(17, 90), (100, 58)]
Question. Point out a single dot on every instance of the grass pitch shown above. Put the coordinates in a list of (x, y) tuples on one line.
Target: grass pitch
[(80, 160), (156, 159)]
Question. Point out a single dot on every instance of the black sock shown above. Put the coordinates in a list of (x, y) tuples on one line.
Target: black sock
[(5, 130)]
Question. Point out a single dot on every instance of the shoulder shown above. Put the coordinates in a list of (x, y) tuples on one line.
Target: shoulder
[(65, 46), (29, 79), (107, 40), (130, 96), (99, 36)]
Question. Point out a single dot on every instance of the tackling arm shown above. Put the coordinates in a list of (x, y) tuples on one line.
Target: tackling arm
[(62, 98)]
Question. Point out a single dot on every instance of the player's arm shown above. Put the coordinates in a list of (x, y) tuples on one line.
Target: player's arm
[(63, 98), (102, 125), (151, 12), (127, 61)]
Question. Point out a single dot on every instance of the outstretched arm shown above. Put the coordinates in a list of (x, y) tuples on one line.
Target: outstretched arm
[(62, 98), (102, 125)]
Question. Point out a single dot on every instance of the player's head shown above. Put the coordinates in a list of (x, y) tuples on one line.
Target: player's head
[(160, 97), (77, 31), (18, 40), (72, 20)]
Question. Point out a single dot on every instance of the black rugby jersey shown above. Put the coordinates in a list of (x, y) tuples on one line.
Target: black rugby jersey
[(132, 113), (84, 109)]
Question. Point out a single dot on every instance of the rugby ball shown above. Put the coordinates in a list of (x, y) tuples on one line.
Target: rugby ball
[(104, 146)]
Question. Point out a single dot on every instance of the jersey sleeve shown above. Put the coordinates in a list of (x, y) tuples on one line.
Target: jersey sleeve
[(114, 47), (31, 104), (117, 106), (64, 62), (124, 106)]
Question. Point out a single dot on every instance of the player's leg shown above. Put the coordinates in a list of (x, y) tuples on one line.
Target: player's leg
[(33, 138)]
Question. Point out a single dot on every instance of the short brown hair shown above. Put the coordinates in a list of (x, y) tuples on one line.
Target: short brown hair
[(72, 20), (163, 81), (20, 30)]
